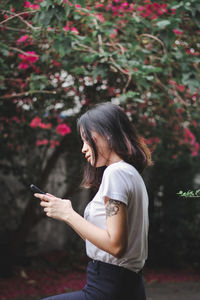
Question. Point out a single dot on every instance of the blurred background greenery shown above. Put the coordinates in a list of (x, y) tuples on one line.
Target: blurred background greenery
[(59, 58)]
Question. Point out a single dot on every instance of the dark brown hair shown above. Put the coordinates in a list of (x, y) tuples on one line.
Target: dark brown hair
[(110, 121)]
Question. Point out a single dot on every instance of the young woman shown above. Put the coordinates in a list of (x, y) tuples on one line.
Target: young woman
[(115, 223)]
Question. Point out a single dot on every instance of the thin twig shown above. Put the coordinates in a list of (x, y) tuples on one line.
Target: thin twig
[(99, 37), (155, 38), (21, 51), (14, 29), (118, 67), (115, 46), (27, 94), (17, 15), (87, 48), (28, 24), (127, 83)]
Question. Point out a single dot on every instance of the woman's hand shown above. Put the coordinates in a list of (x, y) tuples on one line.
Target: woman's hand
[(56, 208)]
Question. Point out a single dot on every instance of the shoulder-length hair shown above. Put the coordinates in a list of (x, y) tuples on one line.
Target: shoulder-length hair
[(111, 122)]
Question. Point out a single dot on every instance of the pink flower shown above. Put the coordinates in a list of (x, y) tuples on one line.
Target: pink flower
[(16, 119), (114, 34), (57, 64), (63, 129), (195, 150), (42, 142), (125, 4), (74, 30), (45, 126), (23, 66), (67, 1), (28, 4), (173, 11), (100, 17), (35, 122), (54, 143), (192, 52), (29, 56), (152, 141), (140, 8), (66, 28), (180, 88), (98, 5), (23, 38), (194, 123), (189, 136), (178, 32)]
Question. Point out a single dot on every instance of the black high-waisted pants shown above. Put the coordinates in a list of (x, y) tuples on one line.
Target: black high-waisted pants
[(108, 282)]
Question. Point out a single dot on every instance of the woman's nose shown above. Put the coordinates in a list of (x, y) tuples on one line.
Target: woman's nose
[(84, 148)]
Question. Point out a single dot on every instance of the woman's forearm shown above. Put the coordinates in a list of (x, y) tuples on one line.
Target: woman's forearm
[(96, 235)]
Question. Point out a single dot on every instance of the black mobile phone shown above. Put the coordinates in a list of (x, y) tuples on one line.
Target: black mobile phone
[(35, 189)]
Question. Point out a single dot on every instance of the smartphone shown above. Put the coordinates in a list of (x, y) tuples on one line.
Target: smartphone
[(35, 189)]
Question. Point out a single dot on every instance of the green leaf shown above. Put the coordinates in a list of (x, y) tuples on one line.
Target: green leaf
[(100, 70), (164, 23), (63, 45), (151, 69), (130, 95), (4, 49)]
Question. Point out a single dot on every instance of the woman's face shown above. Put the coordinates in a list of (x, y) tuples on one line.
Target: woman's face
[(103, 151)]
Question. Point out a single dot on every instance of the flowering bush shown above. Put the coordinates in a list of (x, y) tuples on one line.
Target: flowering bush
[(60, 57)]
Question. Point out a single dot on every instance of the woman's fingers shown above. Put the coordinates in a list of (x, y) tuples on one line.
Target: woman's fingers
[(44, 197), (50, 195), (44, 203)]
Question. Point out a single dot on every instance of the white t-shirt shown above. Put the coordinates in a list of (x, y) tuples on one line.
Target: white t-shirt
[(122, 182)]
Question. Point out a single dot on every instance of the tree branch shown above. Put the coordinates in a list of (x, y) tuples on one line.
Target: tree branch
[(27, 94), (17, 15), (23, 52), (15, 29), (155, 38), (99, 37)]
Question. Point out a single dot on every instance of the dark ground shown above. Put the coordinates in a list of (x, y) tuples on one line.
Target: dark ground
[(161, 291), (48, 277), (173, 291)]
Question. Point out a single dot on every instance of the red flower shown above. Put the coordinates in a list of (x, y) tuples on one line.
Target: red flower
[(42, 142), (72, 29), (56, 63), (45, 126), (195, 149), (99, 17), (23, 38), (177, 31), (35, 122), (29, 56), (63, 129), (23, 66), (54, 143), (189, 136), (29, 5)]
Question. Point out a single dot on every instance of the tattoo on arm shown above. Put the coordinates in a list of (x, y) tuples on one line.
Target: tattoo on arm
[(112, 207)]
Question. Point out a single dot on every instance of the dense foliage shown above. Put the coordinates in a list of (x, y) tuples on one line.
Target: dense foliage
[(58, 58)]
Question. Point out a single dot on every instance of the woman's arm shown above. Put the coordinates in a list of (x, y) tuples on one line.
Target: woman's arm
[(113, 239)]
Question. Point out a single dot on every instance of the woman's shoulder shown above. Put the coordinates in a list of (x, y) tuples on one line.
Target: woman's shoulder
[(121, 167)]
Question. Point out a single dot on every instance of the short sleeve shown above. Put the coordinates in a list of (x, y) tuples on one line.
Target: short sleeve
[(115, 185)]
